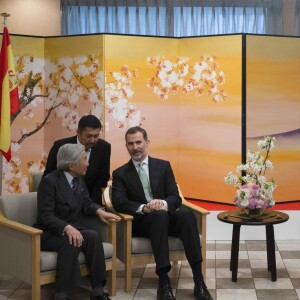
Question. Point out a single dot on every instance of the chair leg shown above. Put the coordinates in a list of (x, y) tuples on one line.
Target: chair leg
[(36, 267), (35, 291), (128, 267), (112, 277), (128, 272)]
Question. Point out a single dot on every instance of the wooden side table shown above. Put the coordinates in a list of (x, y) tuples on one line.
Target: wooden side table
[(268, 219)]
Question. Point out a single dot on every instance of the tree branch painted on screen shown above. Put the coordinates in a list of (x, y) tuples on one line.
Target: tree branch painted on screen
[(184, 75), (59, 92)]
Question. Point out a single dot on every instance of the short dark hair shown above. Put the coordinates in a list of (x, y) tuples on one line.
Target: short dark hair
[(136, 129), (89, 121)]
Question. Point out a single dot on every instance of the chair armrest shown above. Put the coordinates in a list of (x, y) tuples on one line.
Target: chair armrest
[(19, 227), (106, 194), (125, 217), (195, 208), (20, 250)]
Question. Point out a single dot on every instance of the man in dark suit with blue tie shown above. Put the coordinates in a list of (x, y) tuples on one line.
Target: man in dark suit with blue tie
[(98, 153), (145, 187), (64, 206)]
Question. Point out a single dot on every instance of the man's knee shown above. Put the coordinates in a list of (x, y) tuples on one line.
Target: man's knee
[(160, 215), (91, 235), (187, 217)]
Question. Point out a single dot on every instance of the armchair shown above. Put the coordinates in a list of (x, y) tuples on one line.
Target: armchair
[(137, 250), (20, 245)]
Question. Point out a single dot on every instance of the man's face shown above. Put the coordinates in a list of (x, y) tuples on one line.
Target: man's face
[(79, 169), (137, 146), (88, 137)]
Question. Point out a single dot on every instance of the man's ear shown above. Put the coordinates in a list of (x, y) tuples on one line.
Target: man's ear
[(70, 165)]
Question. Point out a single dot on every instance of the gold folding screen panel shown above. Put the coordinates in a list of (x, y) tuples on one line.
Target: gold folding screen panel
[(187, 93)]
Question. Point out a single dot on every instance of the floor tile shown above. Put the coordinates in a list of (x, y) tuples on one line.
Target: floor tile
[(227, 254), (264, 273), (236, 294), (254, 279), (296, 283), (276, 295), (292, 245), (242, 283), (226, 273), (293, 272), (266, 284), (292, 263), (290, 254)]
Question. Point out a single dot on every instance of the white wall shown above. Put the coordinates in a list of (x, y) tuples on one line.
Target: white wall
[(32, 17), (220, 231)]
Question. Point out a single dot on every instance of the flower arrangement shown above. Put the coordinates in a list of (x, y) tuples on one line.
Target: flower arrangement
[(254, 191)]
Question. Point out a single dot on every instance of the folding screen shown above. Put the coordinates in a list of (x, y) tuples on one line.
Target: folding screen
[(195, 126), (273, 106), (187, 93)]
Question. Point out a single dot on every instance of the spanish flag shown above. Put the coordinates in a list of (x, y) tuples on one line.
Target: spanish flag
[(9, 98)]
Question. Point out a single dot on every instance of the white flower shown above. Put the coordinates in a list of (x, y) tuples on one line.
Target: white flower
[(253, 189)]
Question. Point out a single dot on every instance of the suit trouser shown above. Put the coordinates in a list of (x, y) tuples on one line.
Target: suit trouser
[(159, 224), (68, 269)]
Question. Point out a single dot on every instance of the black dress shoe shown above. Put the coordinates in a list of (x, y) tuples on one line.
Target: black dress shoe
[(104, 296), (201, 292), (165, 293)]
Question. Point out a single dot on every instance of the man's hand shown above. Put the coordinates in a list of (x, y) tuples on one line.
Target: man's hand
[(155, 204), (75, 237), (105, 216)]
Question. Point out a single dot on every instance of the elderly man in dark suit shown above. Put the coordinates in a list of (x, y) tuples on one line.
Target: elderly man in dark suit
[(63, 206), (145, 187), (98, 153)]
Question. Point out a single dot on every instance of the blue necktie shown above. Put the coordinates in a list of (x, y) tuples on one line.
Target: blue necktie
[(145, 182)]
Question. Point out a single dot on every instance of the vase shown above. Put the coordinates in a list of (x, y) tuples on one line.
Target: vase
[(254, 213)]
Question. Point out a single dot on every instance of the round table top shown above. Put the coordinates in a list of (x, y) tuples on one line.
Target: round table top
[(238, 217)]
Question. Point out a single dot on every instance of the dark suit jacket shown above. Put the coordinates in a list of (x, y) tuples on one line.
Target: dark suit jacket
[(98, 171), (127, 189), (58, 206)]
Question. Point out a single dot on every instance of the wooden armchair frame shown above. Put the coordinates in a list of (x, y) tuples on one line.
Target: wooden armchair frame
[(147, 258), (21, 255)]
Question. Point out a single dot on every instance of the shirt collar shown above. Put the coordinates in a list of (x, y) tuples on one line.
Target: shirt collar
[(86, 150), (69, 177), (145, 161)]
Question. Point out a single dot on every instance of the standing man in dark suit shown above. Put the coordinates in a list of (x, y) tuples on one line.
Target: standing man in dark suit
[(98, 154), (63, 206), (145, 187)]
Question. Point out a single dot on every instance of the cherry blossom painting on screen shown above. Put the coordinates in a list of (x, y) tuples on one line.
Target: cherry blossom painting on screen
[(187, 94)]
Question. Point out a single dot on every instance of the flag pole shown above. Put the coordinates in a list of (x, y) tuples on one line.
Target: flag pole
[(5, 16)]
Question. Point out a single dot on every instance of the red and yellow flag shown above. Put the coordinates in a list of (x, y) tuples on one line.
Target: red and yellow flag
[(9, 98)]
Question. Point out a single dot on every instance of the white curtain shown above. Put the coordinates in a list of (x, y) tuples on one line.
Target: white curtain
[(176, 18)]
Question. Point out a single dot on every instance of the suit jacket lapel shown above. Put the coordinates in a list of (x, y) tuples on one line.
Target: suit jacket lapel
[(135, 181), (153, 174)]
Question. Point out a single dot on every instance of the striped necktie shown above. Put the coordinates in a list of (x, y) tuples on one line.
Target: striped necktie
[(145, 182), (74, 184)]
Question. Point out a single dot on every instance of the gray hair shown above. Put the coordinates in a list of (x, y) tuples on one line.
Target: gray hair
[(68, 154)]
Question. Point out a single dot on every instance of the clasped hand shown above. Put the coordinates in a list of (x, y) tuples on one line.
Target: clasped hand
[(155, 204)]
